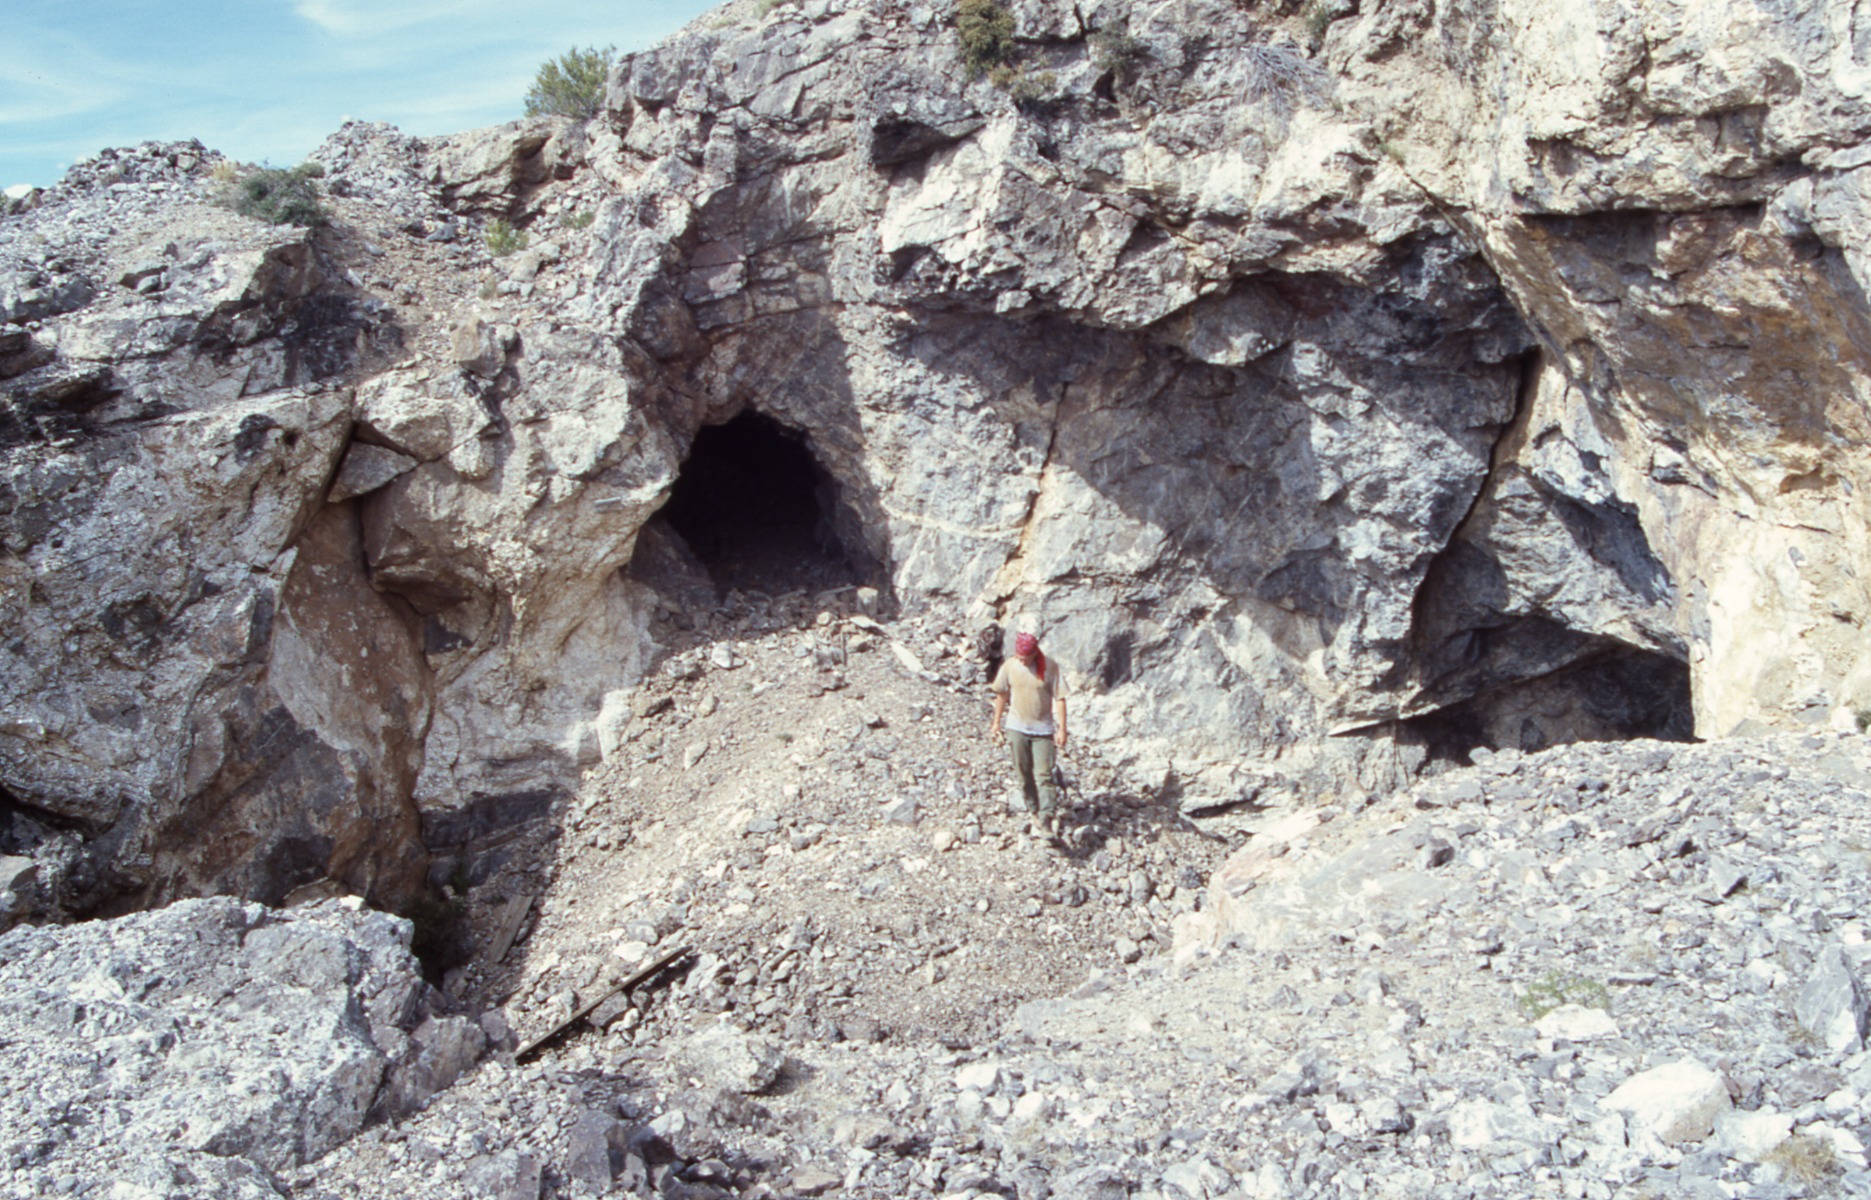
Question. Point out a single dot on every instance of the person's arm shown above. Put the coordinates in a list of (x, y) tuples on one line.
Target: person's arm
[(1058, 722), (1000, 709)]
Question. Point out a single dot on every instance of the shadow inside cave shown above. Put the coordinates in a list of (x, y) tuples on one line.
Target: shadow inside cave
[(758, 512)]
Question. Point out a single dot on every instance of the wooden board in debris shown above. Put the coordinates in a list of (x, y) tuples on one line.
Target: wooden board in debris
[(656, 967)]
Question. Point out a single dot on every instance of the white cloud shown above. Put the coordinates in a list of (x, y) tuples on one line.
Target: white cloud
[(46, 78), (374, 18)]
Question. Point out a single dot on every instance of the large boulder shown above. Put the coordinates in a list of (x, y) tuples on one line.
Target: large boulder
[(212, 1039)]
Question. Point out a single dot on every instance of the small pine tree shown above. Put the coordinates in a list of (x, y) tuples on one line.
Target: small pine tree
[(571, 85)]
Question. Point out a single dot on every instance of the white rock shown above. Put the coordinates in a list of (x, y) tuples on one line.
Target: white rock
[(1576, 1023), (1677, 1102), (1034, 1106), (723, 1056), (983, 1077), (1748, 1136), (1199, 1179), (1479, 1124)]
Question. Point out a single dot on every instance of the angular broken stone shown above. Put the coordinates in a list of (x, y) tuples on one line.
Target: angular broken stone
[(1577, 1023), (1480, 1124), (509, 1175), (367, 468), (1750, 1136), (597, 1150), (1199, 1178), (1833, 1006), (724, 1057), (481, 349), (983, 1077), (1384, 1115), (1436, 852), (813, 1180)]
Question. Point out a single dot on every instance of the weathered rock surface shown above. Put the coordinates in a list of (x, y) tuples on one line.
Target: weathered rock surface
[(208, 1046), (163, 476)]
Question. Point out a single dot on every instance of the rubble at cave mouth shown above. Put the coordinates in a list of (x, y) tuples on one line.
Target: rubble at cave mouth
[(757, 509)]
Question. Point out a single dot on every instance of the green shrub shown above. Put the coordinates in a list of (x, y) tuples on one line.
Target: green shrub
[(986, 33), (503, 239), (1555, 988), (580, 220), (571, 85), (279, 196), (1115, 52), (1026, 87), (1318, 16)]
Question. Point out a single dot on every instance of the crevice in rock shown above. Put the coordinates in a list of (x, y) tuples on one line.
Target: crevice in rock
[(759, 512), (24, 826)]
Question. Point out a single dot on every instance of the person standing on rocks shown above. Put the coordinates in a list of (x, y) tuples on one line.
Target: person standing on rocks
[(1029, 711)]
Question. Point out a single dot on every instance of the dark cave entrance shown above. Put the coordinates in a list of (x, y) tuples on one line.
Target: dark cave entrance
[(1616, 694), (758, 512)]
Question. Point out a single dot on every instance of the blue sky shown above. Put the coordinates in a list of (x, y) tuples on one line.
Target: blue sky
[(266, 80)]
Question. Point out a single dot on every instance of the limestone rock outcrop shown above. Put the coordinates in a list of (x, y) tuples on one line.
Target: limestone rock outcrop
[(1333, 390), (212, 1044)]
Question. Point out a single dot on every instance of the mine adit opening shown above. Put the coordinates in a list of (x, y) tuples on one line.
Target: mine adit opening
[(758, 511)]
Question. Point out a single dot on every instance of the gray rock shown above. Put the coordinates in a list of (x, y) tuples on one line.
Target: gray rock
[(509, 1175), (1092, 1183), (1833, 1005), (367, 468), (1435, 852), (725, 1057), (211, 1030), (1198, 1179), (596, 1152)]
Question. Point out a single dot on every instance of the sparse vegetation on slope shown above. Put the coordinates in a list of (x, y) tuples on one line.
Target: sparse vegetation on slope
[(503, 239), (279, 196)]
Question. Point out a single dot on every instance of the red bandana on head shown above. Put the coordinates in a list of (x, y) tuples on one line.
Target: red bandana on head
[(1025, 644)]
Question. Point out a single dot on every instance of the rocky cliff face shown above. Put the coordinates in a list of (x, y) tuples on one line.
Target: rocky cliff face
[(1435, 376)]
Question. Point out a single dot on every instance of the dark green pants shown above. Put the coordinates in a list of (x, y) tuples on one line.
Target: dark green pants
[(1033, 759)]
